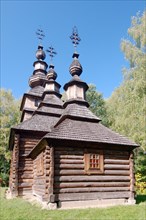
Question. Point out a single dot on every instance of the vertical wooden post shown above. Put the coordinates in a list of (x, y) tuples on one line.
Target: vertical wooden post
[(132, 179), (15, 164), (51, 176)]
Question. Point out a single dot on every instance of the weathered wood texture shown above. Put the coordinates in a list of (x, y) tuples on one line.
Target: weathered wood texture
[(42, 183), (13, 180), (25, 171), (71, 182), (132, 176)]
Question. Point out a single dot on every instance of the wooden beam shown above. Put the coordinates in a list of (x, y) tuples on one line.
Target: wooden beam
[(114, 161), (51, 177), (90, 184), (91, 178), (115, 167), (92, 189), (68, 161), (132, 177), (91, 196)]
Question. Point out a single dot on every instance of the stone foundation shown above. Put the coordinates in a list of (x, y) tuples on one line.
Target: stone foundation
[(93, 203)]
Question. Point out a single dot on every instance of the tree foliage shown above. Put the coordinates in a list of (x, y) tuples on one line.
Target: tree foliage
[(9, 115), (126, 106), (97, 103)]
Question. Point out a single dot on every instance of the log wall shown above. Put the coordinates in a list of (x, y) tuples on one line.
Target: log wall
[(13, 179), (73, 183), (25, 170), (42, 182)]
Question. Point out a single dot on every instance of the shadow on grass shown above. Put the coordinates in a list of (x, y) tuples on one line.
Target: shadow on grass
[(140, 198)]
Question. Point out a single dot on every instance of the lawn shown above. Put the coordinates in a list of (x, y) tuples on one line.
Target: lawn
[(19, 209)]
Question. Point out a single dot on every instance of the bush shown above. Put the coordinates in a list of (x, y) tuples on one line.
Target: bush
[(4, 179), (140, 185)]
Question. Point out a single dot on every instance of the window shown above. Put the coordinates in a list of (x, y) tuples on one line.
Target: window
[(93, 162)]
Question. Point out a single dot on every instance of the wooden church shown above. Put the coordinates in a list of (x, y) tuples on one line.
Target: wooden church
[(61, 153)]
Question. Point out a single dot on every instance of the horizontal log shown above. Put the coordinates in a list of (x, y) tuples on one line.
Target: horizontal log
[(67, 161), (25, 173), (39, 187), (117, 172), (24, 151), (47, 152), (39, 182), (91, 196), (28, 162), (39, 177), (115, 166), (47, 166), (91, 189), (20, 185), (47, 172), (25, 176), (25, 165), (47, 160), (23, 157), (26, 168), (69, 172), (112, 161), (91, 184), (24, 191), (77, 157), (39, 193), (82, 172), (69, 166), (29, 140), (28, 146), (91, 178), (25, 181)]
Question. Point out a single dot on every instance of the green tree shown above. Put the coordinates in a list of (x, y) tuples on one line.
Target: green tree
[(97, 103), (9, 115), (126, 106)]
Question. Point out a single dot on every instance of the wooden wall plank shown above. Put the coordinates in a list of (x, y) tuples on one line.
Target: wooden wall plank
[(91, 196)]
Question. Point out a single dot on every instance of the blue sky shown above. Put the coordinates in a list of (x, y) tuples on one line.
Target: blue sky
[(101, 26)]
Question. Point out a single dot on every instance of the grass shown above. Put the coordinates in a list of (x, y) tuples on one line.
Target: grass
[(19, 209)]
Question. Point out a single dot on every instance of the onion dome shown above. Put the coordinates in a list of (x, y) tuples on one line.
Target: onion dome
[(75, 67), (51, 74), (38, 77), (40, 54)]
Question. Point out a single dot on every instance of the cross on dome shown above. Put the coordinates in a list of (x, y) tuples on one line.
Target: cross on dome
[(40, 35), (51, 52), (75, 37)]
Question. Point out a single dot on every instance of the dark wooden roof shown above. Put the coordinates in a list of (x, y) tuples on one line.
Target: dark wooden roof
[(38, 122), (78, 123), (37, 91), (78, 111), (72, 129)]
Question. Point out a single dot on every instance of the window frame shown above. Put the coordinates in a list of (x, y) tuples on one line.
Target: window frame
[(87, 157)]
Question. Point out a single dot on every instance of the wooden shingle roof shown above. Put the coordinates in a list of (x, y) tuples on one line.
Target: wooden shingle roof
[(38, 122), (79, 123), (37, 90)]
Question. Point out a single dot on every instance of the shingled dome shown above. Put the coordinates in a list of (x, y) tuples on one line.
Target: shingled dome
[(75, 67), (40, 54)]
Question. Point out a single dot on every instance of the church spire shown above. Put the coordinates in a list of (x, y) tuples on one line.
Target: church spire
[(75, 88), (39, 74), (51, 85)]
